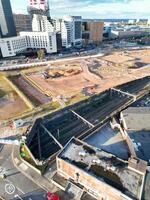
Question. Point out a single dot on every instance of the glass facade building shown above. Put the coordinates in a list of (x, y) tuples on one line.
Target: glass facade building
[(7, 25)]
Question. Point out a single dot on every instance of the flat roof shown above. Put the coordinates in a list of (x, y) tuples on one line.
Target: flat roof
[(103, 166), (137, 110), (137, 118), (140, 140), (109, 140)]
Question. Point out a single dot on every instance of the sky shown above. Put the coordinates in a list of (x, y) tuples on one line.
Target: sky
[(93, 8)]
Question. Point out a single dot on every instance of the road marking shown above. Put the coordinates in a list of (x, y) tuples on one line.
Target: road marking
[(17, 196), (20, 190), (10, 188), (15, 186)]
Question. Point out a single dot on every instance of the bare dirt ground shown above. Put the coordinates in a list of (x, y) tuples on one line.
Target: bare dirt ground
[(143, 55), (31, 91), (10, 104), (111, 70), (67, 86), (95, 75), (117, 57)]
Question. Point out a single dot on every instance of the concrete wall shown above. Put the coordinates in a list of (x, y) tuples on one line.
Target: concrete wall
[(100, 189)]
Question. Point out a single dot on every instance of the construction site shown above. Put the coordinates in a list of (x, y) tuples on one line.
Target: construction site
[(10, 102), (108, 152), (85, 109), (81, 119), (68, 81)]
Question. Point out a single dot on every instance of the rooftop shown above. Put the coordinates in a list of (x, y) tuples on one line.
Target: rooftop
[(109, 140), (137, 110), (137, 118), (103, 166), (140, 141)]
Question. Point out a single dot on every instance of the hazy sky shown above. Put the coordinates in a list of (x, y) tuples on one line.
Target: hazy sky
[(93, 8)]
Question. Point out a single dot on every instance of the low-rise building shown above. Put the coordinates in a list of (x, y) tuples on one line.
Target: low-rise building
[(100, 173), (123, 33)]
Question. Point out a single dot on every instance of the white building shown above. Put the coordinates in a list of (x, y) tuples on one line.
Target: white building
[(71, 30), (12, 45), (128, 33), (35, 40), (41, 23), (41, 40)]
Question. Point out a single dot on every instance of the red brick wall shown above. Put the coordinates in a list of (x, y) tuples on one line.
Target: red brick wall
[(89, 182)]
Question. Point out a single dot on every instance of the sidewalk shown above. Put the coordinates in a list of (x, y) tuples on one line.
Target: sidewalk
[(30, 173)]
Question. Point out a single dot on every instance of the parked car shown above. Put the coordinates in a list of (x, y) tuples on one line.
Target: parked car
[(51, 196)]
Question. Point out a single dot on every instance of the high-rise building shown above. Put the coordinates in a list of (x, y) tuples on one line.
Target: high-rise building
[(92, 31), (6, 19), (42, 23), (40, 7), (22, 22), (71, 30)]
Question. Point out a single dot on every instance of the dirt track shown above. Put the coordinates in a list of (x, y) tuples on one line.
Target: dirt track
[(67, 85)]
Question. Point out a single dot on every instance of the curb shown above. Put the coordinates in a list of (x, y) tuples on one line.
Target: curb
[(25, 174)]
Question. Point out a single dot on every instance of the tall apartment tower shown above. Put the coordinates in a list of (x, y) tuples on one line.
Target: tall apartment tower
[(71, 30), (40, 14), (7, 25)]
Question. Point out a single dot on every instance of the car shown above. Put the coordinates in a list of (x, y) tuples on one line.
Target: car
[(51, 196)]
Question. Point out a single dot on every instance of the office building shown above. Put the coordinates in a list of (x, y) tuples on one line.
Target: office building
[(22, 22), (6, 19), (92, 31)]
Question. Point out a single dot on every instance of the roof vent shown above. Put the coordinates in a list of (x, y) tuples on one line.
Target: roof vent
[(96, 161), (82, 153)]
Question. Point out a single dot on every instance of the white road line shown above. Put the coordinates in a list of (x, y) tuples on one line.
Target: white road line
[(10, 182), (20, 190)]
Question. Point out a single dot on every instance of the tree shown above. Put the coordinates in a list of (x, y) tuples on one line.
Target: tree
[(41, 54)]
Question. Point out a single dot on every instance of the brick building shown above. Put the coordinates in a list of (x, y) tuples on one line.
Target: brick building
[(92, 31), (101, 174)]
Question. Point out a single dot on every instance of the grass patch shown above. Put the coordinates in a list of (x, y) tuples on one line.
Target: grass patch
[(54, 105), (2, 93), (76, 98), (26, 156)]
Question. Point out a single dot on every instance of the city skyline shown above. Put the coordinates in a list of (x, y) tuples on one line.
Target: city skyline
[(93, 8)]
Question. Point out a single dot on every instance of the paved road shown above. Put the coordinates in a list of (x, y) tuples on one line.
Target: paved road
[(35, 195), (19, 66), (15, 183)]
